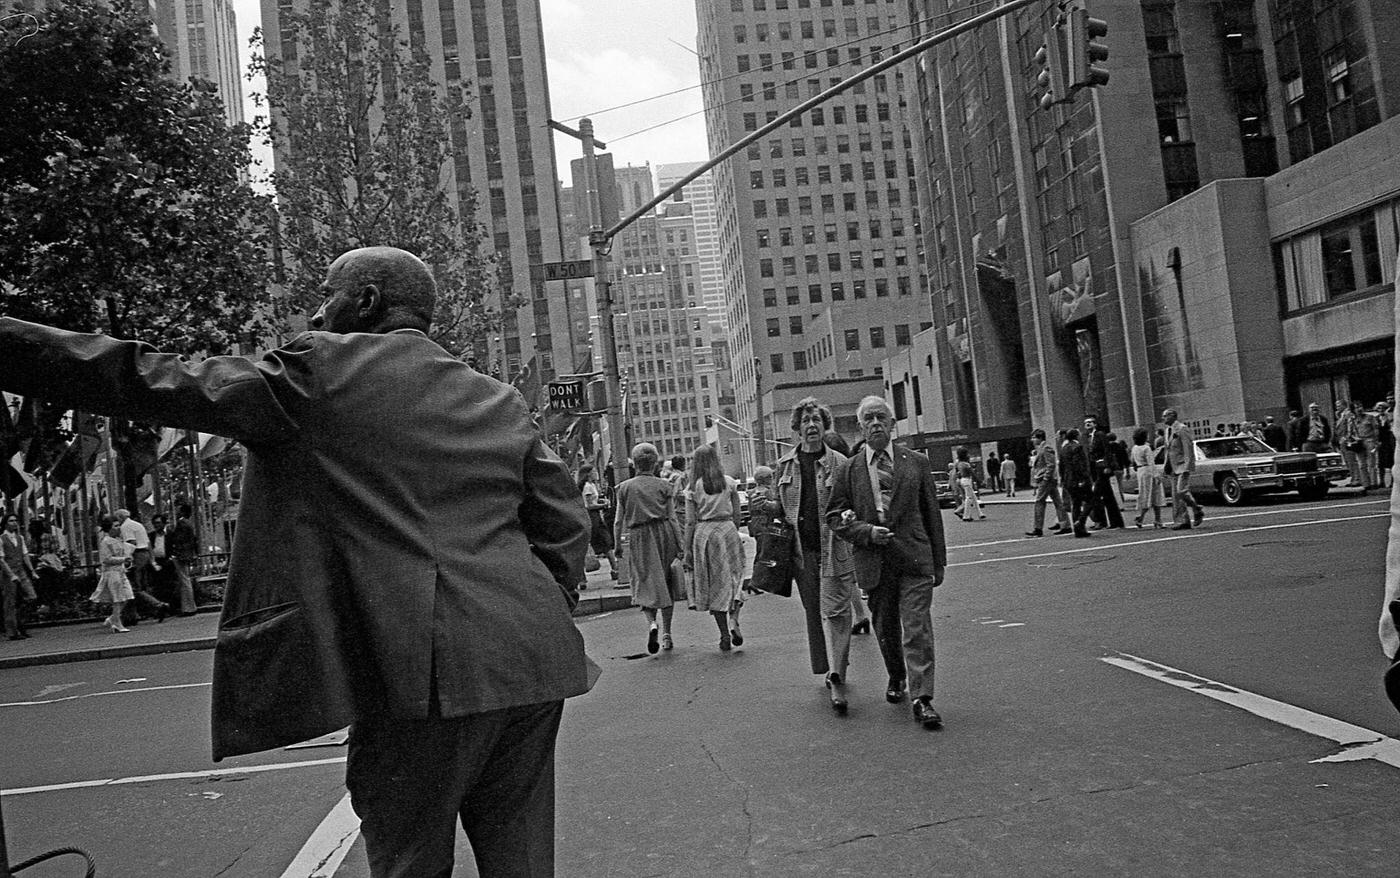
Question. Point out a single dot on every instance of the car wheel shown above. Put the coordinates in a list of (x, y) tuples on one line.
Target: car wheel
[(1231, 491), (1314, 492)]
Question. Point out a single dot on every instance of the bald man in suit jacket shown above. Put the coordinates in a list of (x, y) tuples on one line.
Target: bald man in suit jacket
[(885, 503), (405, 561)]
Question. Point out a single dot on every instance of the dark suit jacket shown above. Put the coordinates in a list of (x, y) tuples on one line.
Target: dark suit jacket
[(913, 515), (404, 538)]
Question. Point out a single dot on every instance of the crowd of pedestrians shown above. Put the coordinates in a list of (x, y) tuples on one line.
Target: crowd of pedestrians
[(142, 572), (865, 549)]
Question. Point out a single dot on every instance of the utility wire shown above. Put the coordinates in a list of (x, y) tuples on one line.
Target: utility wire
[(971, 7), (806, 74)]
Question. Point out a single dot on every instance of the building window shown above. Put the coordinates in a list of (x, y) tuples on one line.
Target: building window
[(792, 296), (799, 361), (765, 268), (770, 297), (838, 292), (853, 339), (901, 334), (1338, 77), (1174, 121), (775, 362), (814, 293), (877, 336), (794, 326), (774, 328)]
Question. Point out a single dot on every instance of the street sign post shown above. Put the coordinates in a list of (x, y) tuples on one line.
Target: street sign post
[(573, 270), (565, 396)]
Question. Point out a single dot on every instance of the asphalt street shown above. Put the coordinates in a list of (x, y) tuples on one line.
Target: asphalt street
[(1137, 703)]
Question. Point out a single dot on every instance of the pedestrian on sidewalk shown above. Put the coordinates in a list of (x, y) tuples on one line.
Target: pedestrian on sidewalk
[(1150, 494), (18, 577), (1008, 474), (1316, 431), (1179, 463), (885, 503), (993, 472), (712, 553), (405, 561), (971, 509), (645, 512), (826, 579), (1103, 506), (113, 586), (142, 570), (182, 548), (1045, 482), (1366, 444), (595, 501), (1075, 476)]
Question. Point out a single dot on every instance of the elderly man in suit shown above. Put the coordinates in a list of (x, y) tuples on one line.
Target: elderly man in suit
[(884, 501), (1180, 463), (405, 560)]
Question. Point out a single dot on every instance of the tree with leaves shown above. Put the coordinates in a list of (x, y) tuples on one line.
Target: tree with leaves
[(124, 203), (365, 157)]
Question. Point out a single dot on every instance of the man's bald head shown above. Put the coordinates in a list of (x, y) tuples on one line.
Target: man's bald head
[(377, 289)]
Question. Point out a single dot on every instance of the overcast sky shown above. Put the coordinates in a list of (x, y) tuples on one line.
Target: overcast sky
[(600, 55)]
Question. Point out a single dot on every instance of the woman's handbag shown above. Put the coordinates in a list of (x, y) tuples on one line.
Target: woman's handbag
[(777, 546), (675, 580)]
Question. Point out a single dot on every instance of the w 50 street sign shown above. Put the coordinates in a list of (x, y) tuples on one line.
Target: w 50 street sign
[(562, 270)]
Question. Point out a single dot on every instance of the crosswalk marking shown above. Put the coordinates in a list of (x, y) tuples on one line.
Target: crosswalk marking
[(325, 850), (1357, 742)]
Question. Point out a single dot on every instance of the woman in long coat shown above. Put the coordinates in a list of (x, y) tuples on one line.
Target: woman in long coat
[(644, 514), (714, 555), (826, 579)]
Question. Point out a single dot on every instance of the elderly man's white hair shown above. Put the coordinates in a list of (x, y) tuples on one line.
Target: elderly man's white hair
[(870, 402)]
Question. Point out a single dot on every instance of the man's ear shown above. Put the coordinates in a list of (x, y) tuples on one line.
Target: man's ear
[(369, 304)]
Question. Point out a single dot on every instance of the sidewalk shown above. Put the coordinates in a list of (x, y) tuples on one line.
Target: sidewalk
[(90, 640)]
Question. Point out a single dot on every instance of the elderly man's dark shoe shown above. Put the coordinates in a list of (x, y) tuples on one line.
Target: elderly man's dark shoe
[(925, 715), (894, 692)]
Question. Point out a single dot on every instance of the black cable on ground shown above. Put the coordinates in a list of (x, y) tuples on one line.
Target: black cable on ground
[(59, 852)]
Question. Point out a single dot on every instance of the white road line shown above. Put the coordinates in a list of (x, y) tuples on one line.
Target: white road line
[(103, 694), (1213, 517), (179, 775), (1189, 535), (1360, 742), (1012, 625), (325, 850)]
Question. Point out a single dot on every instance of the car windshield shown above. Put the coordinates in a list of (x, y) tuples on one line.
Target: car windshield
[(941, 477), (1232, 447)]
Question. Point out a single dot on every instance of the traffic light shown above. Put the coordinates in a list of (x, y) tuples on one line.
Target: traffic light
[(1050, 57), (1084, 53)]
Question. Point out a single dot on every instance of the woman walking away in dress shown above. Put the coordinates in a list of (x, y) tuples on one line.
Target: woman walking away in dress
[(595, 503), (971, 509), (713, 554), (1149, 479), (653, 542), (113, 554)]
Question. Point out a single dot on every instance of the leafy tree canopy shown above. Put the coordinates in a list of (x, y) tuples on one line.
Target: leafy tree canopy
[(367, 145), (123, 196)]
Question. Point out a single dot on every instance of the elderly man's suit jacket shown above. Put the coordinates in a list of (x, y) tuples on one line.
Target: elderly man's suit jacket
[(913, 515), (405, 544), (1181, 449)]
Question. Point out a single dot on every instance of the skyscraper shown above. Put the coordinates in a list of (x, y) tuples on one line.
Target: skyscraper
[(202, 37), (820, 217), (700, 195), (494, 50)]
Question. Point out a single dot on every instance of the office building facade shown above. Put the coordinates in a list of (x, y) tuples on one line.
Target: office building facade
[(202, 37), (493, 51), (1164, 240), (820, 215)]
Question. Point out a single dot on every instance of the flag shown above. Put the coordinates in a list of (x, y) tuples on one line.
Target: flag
[(12, 482), (81, 453), (527, 381)]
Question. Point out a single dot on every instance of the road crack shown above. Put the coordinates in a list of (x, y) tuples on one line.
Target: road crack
[(743, 805), (234, 861)]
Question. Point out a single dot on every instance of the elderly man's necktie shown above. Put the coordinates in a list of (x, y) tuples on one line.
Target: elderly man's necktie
[(884, 467)]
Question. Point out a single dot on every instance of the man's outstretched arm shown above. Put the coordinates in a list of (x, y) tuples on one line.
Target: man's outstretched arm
[(228, 396)]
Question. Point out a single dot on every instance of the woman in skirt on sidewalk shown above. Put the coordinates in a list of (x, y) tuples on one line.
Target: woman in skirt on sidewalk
[(644, 513), (113, 587), (714, 556)]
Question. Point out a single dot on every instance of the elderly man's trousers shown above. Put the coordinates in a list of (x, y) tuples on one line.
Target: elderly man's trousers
[(412, 780)]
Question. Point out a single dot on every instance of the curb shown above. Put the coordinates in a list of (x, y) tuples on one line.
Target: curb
[(587, 606), (106, 652)]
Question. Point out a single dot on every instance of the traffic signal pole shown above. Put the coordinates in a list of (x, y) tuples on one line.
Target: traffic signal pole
[(602, 290)]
